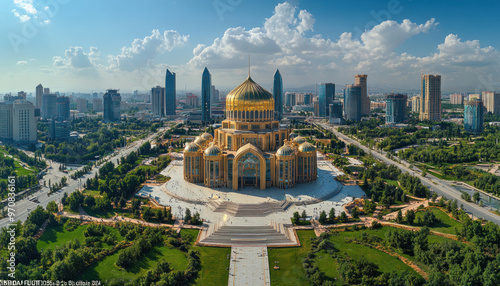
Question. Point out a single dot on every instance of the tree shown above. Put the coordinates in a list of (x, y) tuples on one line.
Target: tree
[(331, 215), (355, 212), (304, 215), (343, 217), (410, 217), (434, 197), (64, 199), (322, 217), (399, 218), (476, 197), (26, 250), (187, 216), (296, 218), (89, 201), (52, 207), (159, 215)]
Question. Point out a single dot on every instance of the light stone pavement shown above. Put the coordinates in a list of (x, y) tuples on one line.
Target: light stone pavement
[(249, 266), (187, 194)]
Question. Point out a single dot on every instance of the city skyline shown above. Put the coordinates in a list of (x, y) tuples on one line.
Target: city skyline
[(393, 42)]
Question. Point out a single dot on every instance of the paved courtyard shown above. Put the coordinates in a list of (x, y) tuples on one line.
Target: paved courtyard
[(180, 195), (249, 266)]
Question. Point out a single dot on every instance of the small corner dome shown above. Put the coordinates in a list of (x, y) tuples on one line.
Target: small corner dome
[(285, 151), (200, 141), (299, 140), (192, 147), (207, 136), (213, 151), (307, 147)]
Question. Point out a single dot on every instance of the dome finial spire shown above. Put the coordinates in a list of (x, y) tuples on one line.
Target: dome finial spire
[(248, 65)]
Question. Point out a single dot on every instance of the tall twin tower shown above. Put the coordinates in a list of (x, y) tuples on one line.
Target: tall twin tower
[(163, 99)]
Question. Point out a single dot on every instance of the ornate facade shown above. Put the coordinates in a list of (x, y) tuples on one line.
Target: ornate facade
[(251, 148)]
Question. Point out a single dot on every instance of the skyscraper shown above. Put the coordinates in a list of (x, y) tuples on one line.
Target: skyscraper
[(214, 95), (23, 122), (81, 105), (335, 116), (457, 98), (308, 98), (97, 104), (278, 95), (360, 80), (112, 101), (63, 107), (491, 101), (49, 105), (415, 104), (395, 108), (158, 101), (39, 95), (326, 95), (170, 95), (430, 97), (6, 110), (290, 99), (352, 102), (206, 88), (473, 116)]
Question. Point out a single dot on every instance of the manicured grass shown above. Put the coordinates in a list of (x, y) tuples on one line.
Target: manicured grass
[(291, 271), (57, 236), (20, 170), (392, 182), (386, 262), (106, 270), (447, 224), (214, 261)]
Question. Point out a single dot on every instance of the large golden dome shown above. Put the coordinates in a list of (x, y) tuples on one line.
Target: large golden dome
[(249, 96)]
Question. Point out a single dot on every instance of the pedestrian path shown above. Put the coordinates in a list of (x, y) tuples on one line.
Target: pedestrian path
[(249, 266)]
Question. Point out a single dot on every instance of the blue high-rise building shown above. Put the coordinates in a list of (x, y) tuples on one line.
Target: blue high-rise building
[(326, 95), (63, 107), (395, 111), (473, 116), (206, 90), (170, 95), (352, 102), (278, 95), (111, 105)]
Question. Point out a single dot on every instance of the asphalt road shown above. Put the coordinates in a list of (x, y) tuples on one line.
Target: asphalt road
[(25, 206), (441, 187)]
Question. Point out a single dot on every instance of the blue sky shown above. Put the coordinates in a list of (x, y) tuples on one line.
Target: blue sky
[(76, 45)]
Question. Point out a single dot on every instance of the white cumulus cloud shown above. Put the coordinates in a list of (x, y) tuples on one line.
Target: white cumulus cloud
[(142, 51)]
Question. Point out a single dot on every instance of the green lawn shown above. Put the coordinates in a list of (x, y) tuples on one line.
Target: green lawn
[(106, 270), (447, 224), (386, 262), (57, 236), (214, 262), (291, 271)]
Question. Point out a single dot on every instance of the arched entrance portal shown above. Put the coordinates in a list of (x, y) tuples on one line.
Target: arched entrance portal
[(249, 168), (248, 171)]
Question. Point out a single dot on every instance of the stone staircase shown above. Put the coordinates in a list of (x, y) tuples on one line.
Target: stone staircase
[(249, 235), (249, 210)]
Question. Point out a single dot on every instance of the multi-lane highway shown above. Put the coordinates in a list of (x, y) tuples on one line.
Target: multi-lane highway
[(42, 198), (442, 187)]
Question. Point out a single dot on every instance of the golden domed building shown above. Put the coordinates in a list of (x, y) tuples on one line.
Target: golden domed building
[(251, 148)]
